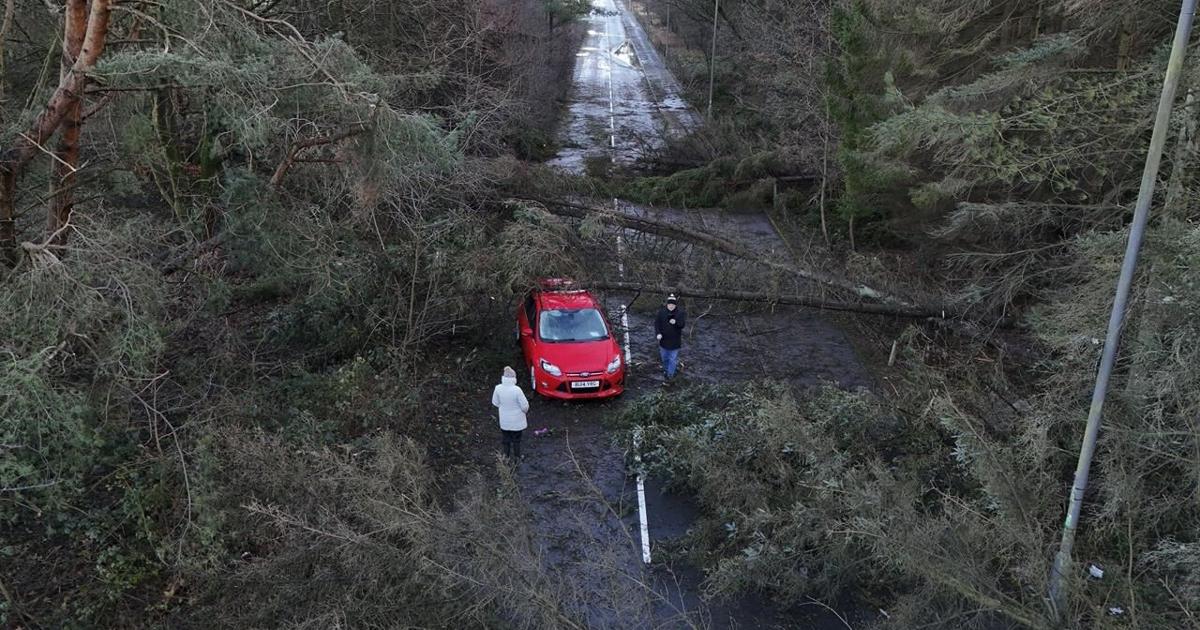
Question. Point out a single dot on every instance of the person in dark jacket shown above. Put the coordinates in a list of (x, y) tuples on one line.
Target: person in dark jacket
[(668, 329)]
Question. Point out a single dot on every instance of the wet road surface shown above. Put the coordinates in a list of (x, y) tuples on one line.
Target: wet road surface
[(582, 501), (623, 98)]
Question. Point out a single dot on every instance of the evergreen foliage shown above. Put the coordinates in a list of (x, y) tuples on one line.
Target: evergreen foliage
[(287, 211), (282, 207), (997, 149)]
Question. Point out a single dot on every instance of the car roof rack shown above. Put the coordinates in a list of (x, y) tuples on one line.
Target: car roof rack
[(559, 285)]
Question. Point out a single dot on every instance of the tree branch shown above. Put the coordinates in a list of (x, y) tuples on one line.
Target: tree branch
[(732, 248), (769, 298), (300, 145)]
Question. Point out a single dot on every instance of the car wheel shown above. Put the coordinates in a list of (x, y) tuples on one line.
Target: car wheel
[(532, 380)]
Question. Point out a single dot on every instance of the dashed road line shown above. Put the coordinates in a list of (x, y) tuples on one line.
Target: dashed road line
[(641, 490), (621, 274), (643, 517)]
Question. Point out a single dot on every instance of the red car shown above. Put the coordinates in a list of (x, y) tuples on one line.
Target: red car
[(569, 346)]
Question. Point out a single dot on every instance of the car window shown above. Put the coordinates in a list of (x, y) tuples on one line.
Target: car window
[(529, 310), (584, 324)]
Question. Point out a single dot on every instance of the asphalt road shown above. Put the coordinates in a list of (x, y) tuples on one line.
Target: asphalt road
[(623, 100), (584, 505)]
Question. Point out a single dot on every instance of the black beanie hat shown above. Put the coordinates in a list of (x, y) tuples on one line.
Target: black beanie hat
[(671, 299)]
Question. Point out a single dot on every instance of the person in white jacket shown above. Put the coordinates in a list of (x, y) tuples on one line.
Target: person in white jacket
[(511, 401)]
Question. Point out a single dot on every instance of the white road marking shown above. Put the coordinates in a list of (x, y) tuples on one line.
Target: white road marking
[(624, 307), (641, 489), (625, 325), (612, 123), (643, 516)]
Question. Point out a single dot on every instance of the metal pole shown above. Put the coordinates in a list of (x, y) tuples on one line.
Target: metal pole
[(1062, 561), (712, 59)]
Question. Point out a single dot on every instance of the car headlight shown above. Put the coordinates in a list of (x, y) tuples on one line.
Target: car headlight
[(615, 364), (550, 368)]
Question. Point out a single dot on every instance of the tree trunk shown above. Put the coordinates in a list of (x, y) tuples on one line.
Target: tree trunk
[(8, 232), (1185, 150), (1125, 43), (735, 249), (65, 167), (164, 117), (824, 174), (64, 98), (67, 154), (6, 24), (794, 300)]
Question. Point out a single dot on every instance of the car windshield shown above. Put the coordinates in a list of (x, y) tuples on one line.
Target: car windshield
[(583, 324)]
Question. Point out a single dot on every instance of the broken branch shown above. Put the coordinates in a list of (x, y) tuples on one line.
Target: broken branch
[(769, 298), (732, 248), (300, 145)]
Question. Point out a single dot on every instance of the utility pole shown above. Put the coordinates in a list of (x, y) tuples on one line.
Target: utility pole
[(1062, 561), (712, 59)]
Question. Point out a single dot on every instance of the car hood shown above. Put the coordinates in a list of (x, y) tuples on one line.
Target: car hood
[(579, 356)]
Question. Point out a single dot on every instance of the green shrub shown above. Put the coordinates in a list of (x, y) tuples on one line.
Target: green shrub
[(82, 343), (776, 480), (78, 337), (358, 534)]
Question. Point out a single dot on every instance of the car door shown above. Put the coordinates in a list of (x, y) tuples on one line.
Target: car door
[(527, 328)]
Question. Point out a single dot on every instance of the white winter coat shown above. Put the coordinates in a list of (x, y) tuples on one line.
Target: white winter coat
[(512, 404)]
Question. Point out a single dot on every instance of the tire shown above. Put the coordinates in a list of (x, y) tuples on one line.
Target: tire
[(532, 380)]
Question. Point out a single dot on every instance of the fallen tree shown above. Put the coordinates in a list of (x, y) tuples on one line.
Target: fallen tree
[(770, 298), (733, 248), (889, 303)]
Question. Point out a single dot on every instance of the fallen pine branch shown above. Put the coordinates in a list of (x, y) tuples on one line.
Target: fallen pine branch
[(293, 154), (733, 248), (881, 302), (769, 298)]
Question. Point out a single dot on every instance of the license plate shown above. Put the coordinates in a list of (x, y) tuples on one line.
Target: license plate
[(584, 384)]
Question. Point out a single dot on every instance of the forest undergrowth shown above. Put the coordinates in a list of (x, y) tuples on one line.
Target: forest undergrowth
[(214, 360), (988, 154), (235, 298)]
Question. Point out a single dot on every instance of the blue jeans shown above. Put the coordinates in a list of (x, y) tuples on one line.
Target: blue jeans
[(670, 360)]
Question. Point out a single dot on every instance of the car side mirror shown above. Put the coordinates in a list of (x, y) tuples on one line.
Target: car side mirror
[(526, 331)]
